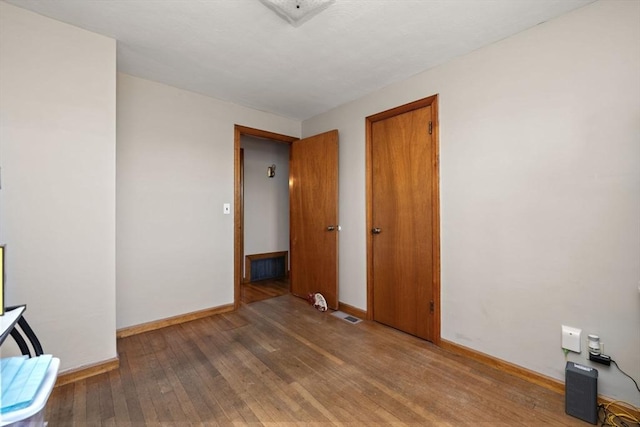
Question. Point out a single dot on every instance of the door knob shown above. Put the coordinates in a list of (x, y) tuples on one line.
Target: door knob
[(376, 231), (330, 228)]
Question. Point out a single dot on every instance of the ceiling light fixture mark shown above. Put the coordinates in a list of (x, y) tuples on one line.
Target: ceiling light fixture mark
[(296, 12)]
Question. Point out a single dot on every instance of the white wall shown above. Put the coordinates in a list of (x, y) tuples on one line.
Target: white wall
[(174, 173), (266, 200), (540, 190), (57, 211)]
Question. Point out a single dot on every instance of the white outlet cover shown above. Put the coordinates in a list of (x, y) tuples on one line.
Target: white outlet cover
[(571, 338)]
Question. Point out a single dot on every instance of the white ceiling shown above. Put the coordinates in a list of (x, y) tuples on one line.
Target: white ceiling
[(241, 51)]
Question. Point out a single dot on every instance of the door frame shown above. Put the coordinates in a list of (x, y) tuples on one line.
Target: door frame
[(435, 206), (238, 199)]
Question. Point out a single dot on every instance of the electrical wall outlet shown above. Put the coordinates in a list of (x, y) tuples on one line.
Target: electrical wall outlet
[(600, 358), (571, 338)]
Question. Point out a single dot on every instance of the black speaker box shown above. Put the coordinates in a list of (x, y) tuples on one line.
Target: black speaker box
[(581, 392)]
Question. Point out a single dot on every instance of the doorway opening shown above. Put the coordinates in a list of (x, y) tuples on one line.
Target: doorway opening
[(249, 145), (313, 213)]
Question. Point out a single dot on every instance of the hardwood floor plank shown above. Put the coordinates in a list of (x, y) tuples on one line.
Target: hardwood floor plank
[(79, 402), (106, 398), (93, 399), (125, 387), (235, 409), (141, 379), (202, 370), (64, 411), (281, 362), (298, 333), (184, 361), (252, 378), (264, 289), (164, 394), (173, 367), (310, 399), (118, 398)]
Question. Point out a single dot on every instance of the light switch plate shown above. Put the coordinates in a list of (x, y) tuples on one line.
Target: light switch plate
[(226, 208), (571, 338)]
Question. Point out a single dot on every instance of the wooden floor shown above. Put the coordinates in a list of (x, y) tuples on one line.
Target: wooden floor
[(264, 289), (281, 362)]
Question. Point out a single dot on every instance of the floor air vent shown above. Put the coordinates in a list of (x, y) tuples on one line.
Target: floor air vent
[(346, 317)]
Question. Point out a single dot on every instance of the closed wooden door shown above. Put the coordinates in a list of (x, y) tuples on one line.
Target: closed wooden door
[(404, 254), (313, 190)]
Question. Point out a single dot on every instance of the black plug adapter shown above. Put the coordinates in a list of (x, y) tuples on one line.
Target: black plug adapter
[(600, 358)]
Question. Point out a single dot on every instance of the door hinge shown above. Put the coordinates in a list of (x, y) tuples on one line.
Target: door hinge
[(431, 306), (430, 127)]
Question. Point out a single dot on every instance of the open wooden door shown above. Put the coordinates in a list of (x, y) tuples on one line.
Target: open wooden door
[(313, 192)]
